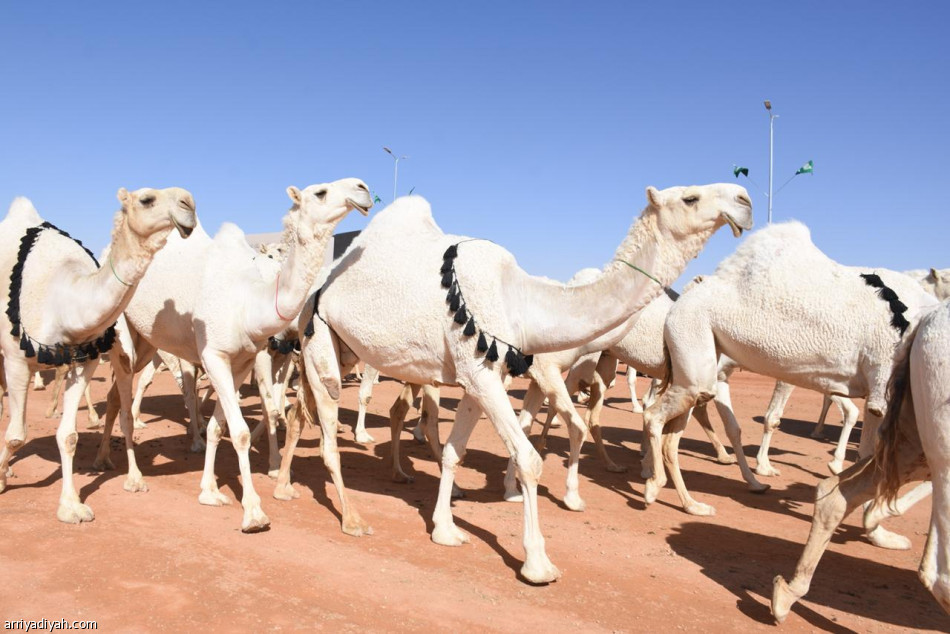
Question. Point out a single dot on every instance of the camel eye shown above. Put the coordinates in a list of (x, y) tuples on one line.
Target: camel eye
[(321, 194), (148, 200), (691, 200)]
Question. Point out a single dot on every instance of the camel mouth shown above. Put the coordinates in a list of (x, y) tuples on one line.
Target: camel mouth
[(736, 229), (183, 231), (363, 209)]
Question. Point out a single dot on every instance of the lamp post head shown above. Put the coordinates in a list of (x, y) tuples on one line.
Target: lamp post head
[(388, 151), (768, 105)]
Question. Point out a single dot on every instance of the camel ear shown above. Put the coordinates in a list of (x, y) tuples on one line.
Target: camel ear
[(934, 275), (124, 196), (261, 248), (653, 195), (295, 195)]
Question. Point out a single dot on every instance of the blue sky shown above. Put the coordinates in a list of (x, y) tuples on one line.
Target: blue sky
[(535, 124)]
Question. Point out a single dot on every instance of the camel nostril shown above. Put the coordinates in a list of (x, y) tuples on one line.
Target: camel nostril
[(362, 186)]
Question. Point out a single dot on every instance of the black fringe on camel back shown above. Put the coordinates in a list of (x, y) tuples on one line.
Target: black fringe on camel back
[(898, 321), (57, 353), (517, 362)]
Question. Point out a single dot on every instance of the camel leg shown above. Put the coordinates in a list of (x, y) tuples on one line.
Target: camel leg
[(283, 489), (701, 414), (724, 407), (189, 387), (850, 417), (94, 421), (649, 399), (145, 380), (224, 378), (370, 374), (134, 481), (604, 375), (280, 388), (671, 441), (773, 417), (533, 399), (429, 421), (487, 393), (397, 416), (632, 384), (38, 382), (71, 510), (674, 402), (17, 374), (936, 559), (103, 459), (835, 498), (819, 430), (57, 386), (263, 371)]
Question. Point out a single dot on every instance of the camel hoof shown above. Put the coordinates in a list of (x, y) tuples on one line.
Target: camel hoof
[(273, 473), (135, 484), (357, 528), (213, 498), (540, 444), (613, 467), (104, 464), (574, 502), (700, 509), (540, 571), (817, 435), (197, 446), (74, 513), (758, 487), (835, 467), (3, 482), (650, 492), (364, 438), (782, 599), (646, 473), (883, 538), (94, 424), (285, 492), (138, 424), (419, 435), (726, 459), (450, 535), (767, 471), (254, 521), (636, 407)]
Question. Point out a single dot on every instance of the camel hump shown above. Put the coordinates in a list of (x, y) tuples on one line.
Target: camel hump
[(231, 235), (408, 214), (22, 210)]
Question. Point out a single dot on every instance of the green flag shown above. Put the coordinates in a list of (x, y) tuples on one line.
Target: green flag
[(807, 168), (376, 199), (412, 190), (736, 170)]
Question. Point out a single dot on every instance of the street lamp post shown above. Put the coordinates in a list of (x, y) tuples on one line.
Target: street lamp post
[(396, 160), (768, 107)]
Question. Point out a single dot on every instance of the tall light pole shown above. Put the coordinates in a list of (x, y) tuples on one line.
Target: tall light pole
[(395, 168), (768, 107)]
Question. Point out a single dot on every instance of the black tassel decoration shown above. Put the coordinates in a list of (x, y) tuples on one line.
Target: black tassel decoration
[(446, 266), (492, 354), (469, 328), (887, 294), (461, 317), (27, 346), (43, 355), (447, 279), (451, 253), (900, 322), (517, 363), (872, 280), (455, 301), (482, 345), (897, 306)]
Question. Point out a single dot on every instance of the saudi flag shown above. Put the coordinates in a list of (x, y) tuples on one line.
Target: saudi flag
[(736, 170), (807, 168)]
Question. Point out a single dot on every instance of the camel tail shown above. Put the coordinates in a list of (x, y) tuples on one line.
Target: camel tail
[(302, 410), (668, 366), (900, 412)]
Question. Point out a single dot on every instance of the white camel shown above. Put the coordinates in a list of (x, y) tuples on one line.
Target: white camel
[(914, 445), (781, 308), (206, 301), (384, 303), (58, 307)]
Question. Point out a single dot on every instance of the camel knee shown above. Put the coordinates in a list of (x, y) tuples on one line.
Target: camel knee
[(243, 441), (529, 466), (69, 442)]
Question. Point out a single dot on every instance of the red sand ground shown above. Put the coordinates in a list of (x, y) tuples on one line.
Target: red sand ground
[(160, 561)]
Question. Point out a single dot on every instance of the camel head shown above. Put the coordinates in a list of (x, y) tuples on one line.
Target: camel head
[(149, 211), (688, 210), (327, 203), (273, 250), (938, 283)]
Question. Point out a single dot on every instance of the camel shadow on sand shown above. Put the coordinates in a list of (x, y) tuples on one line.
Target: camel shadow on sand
[(745, 563)]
